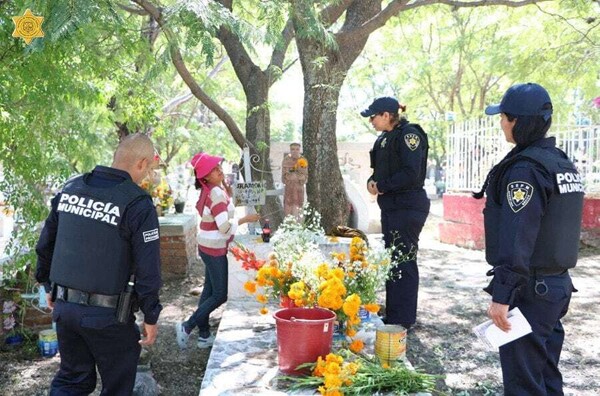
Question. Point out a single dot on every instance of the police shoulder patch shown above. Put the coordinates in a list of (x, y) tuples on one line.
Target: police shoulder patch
[(518, 195), (151, 235), (412, 140)]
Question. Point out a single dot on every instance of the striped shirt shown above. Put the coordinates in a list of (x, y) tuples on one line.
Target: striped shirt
[(217, 224)]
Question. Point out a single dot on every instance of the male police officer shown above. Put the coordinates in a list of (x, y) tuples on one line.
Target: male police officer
[(102, 229), (532, 225)]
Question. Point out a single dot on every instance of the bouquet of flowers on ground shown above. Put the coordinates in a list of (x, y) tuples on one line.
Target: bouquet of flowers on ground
[(346, 373)]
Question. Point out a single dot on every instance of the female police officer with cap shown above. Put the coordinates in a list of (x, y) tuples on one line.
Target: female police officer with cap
[(399, 161), (532, 222)]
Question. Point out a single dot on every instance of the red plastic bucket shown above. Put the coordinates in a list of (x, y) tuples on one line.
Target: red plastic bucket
[(303, 334)]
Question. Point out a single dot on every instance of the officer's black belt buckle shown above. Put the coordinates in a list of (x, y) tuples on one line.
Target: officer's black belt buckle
[(61, 293), (82, 298), (541, 289)]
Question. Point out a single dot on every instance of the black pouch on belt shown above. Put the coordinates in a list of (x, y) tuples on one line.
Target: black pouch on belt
[(124, 308)]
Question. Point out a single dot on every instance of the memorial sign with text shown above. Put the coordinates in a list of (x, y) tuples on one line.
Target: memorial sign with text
[(250, 194)]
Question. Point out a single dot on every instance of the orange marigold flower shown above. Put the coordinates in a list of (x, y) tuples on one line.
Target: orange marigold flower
[(264, 311), (373, 308), (332, 357), (322, 270), (338, 273), (350, 332), (332, 382), (352, 367), (261, 298), (356, 346), (302, 162), (250, 287)]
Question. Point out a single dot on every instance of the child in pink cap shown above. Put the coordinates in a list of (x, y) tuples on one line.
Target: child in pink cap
[(217, 229)]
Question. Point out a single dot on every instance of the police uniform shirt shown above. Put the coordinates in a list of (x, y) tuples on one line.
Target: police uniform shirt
[(411, 148), (139, 221), (523, 194)]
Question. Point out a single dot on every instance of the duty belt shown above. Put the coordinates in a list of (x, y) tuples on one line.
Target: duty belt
[(540, 288), (548, 271), (85, 298)]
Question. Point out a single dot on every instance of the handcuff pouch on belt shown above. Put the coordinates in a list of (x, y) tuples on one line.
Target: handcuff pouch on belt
[(540, 288)]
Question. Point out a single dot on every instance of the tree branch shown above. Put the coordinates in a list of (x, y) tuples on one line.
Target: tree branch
[(131, 10), (278, 55), (184, 98), (240, 59), (332, 13), (478, 3), (396, 6), (584, 35), (189, 80)]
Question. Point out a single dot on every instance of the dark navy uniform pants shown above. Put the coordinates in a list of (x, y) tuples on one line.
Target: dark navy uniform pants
[(401, 228), (90, 337), (530, 363)]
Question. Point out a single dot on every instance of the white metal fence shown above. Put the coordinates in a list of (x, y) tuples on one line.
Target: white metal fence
[(475, 146)]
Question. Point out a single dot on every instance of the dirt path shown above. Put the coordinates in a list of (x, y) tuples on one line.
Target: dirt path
[(451, 302)]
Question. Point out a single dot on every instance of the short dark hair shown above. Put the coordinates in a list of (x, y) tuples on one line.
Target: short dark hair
[(528, 129)]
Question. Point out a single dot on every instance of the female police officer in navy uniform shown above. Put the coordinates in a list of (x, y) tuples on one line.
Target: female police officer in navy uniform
[(399, 161), (532, 222)]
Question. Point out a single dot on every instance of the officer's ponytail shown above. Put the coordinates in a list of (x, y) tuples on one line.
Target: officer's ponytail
[(399, 115)]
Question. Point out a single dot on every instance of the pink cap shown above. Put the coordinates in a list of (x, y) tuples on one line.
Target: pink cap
[(204, 163)]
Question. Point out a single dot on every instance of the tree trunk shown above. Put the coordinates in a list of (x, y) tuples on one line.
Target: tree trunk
[(322, 84), (325, 69), (325, 186), (258, 129)]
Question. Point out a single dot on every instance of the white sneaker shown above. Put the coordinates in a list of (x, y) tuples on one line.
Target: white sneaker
[(206, 342), (181, 335)]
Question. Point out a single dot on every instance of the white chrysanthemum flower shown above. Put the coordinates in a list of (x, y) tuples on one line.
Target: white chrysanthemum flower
[(306, 267)]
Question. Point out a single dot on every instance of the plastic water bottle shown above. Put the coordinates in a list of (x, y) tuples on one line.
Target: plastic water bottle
[(376, 321), (42, 297)]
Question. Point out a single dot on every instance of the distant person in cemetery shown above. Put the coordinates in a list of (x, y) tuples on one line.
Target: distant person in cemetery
[(399, 162), (294, 174), (532, 221), (217, 229), (100, 237)]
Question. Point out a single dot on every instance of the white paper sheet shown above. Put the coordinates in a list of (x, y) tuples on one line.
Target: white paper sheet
[(493, 337)]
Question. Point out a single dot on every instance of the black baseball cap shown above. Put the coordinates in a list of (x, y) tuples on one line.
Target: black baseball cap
[(523, 100), (380, 105)]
